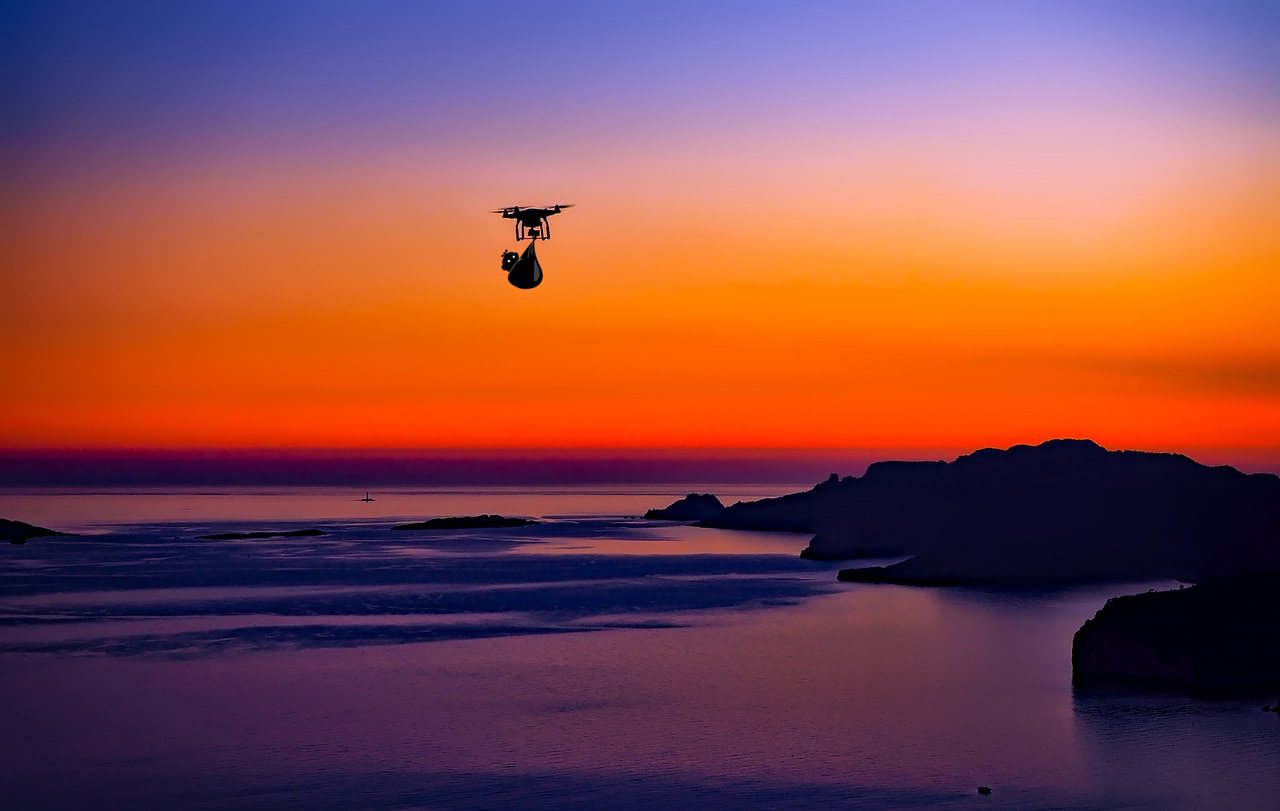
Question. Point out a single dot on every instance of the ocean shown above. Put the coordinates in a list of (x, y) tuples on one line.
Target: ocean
[(594, 660)]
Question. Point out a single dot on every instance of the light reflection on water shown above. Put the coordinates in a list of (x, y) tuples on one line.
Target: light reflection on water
[(76, 509), (577, 664)]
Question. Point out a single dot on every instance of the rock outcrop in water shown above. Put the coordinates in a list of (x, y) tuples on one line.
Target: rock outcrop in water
[(240, 536), (1060, 512), (469, 522), (18, 532), (1222, 636), (693, 507)]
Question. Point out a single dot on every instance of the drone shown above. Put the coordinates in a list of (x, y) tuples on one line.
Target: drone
[(531, 222), (523, 270)]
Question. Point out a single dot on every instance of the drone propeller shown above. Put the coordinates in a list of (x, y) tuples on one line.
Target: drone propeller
[(510, 209)]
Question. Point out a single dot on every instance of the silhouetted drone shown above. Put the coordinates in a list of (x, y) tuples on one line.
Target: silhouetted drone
[(531, 222), (523, 270)]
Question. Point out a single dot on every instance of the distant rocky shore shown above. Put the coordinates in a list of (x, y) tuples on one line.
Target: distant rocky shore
[(240, 536), (19, 532), (693, 507), (1221, 636), (469, 522)]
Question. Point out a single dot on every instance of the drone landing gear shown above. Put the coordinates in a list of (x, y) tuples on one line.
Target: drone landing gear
[(540, 231)]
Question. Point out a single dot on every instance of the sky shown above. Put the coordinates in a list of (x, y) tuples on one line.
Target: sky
[(807, 225)]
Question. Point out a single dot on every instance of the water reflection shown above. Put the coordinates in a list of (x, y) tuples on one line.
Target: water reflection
[(577, 663), (1193, 753), (144, 592)]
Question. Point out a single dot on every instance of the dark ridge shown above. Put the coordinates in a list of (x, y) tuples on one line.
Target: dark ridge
[(18, 532), (1065, 511), (798, 512), (240, 536), (693, 507), (1219, 637), (469, 522)]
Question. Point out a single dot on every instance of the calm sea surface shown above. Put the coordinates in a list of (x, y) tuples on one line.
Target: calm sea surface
[(595, 660)]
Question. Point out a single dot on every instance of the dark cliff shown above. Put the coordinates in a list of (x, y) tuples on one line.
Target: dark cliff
[(1063, 511), (1222, 636), (1070, 511)]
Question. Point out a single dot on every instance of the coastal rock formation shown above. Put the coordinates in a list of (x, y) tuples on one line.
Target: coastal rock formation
[(239, 536), (1069, 511), (1222, 636), (17, 532), (1063, 511), (810, 511), (469, 522), (693, 507)]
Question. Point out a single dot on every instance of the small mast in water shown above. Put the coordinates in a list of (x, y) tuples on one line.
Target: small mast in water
[(366, 496)]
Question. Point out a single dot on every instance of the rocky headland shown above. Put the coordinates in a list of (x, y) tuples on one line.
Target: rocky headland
[(1221, 636), (826, 504), (469, 522), (19, 532), (693, 507), (1065, 511)]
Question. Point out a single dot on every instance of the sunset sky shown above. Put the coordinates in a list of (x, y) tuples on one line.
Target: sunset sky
[(813, 225)]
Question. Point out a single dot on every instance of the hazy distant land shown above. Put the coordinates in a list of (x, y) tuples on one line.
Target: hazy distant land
[(469, 522), (240, 536)]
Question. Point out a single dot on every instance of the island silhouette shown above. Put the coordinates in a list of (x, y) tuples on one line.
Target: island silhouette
[(257, 534), (469, 522)]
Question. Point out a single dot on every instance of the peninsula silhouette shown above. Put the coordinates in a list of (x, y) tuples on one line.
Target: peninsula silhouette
[(18, 532), (693, 507), (1064, 511)]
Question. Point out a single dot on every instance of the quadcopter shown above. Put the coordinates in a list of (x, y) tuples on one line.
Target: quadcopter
[(531, 222), (523, 270)]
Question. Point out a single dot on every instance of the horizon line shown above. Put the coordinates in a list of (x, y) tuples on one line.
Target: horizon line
[(589, 450), (379, 467)]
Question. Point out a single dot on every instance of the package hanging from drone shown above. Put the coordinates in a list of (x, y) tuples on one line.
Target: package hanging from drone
[(526, 273)]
